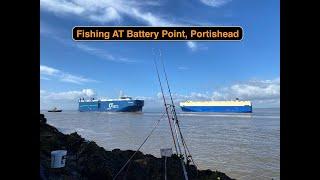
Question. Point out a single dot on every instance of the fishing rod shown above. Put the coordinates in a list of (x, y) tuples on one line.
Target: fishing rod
[(186, 149), (165, 104), (172, 109)]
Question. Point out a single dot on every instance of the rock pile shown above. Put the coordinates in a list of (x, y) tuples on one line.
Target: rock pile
[(86, 160)]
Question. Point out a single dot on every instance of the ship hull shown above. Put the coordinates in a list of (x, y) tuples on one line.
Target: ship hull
[(55, 111), (112, 106), (233, 109)]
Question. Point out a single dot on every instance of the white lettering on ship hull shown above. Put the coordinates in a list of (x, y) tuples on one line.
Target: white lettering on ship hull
[(112, 106)]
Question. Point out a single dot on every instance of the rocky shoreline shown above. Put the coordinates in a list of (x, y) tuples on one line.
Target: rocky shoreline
[(86, 160)]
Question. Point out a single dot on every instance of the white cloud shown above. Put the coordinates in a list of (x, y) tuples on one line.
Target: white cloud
[(62, 76), (68, 95), (180, 97), (102, 53), (96, 51), (48, 70), (192, 45), (215, 3), (44, 78), (252, 90), (51, 32), (74, 79), (109, 14), (65, 100), (105, 11), (183, 68), (263, 93), (146, 98), (149, 18), (62, 6)]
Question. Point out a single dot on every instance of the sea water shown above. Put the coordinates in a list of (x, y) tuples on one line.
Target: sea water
[(244, 146)]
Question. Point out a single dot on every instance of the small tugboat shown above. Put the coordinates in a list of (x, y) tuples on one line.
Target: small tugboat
[(55, 110)]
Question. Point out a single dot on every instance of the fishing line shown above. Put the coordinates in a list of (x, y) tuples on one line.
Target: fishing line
[(166, 106), (175, 113), (156, 125)]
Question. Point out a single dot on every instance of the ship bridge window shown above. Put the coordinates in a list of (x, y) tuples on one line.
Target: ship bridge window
[(125, 97)]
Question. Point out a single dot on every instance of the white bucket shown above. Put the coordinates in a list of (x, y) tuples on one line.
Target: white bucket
[(58, 158)]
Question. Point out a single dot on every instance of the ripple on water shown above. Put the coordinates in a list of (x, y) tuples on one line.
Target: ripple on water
[(244, 146)]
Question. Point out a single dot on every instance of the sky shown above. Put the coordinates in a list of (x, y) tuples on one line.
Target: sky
[(211, 70)]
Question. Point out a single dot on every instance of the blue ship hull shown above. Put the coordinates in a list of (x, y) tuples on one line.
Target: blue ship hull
[(234, 109), (112, 106)]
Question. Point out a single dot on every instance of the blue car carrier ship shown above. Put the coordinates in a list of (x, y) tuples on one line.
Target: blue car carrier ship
[(217, 106), (123, 104)]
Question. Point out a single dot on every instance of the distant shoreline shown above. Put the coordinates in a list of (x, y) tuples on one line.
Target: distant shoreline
[(160, 109)]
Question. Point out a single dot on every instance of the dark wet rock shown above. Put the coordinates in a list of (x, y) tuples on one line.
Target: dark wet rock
[(86, 160), (43, 120)]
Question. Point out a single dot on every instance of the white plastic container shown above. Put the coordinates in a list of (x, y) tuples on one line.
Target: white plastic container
[(58, 158)]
